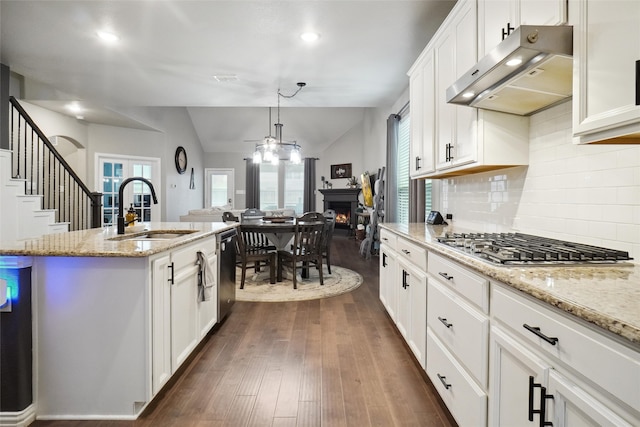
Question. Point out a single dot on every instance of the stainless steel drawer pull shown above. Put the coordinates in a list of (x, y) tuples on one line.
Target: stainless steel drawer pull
[(443, 380), (444, 322), (536, 330), (446, 276)]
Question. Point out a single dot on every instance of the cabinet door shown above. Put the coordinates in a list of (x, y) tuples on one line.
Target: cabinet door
[(455, 53), (417, 336), (607, 46), (466, 50), (422, 94), (574, 407), (208, 310), (184, 299), (161, 322), (445, 113), (511, 365), (416, 98), (493, 18), (547, 12), (403, 315), (388, 281)]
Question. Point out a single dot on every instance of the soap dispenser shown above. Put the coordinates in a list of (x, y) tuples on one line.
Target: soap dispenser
[(130, 218)]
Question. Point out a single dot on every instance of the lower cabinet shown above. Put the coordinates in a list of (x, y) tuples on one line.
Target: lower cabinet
[(411, 318), (403, 289), (179, 317), (551, 370), (500, 357)]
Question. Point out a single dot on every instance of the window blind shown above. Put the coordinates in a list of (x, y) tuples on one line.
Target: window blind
[(402, 169)]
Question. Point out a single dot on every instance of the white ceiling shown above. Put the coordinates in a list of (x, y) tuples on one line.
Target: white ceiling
[(170, 50)]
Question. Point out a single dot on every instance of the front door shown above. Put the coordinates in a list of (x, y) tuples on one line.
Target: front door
[(219, 187)]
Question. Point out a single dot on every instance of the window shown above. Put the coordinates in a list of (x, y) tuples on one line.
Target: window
[(282, 186), (402, 169)]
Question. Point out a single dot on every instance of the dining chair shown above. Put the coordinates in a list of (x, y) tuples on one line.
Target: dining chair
[(330, 218), (306, 249), (251, 256), (229, 217)]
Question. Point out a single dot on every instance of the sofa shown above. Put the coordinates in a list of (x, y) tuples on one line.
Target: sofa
[(214, 214)]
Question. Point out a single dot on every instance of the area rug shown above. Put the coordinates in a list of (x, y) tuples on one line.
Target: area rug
[(258, 289)]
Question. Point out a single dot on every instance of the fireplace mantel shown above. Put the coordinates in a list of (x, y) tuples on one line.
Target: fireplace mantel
[(349, 195)]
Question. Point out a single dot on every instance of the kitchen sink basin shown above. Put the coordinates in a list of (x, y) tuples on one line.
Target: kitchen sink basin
[(154, 235)]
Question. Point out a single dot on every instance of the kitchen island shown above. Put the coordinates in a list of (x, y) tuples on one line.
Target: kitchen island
[(509, 344), (115, 316)]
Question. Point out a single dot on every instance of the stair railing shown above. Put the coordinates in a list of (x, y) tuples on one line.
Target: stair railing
[(47, 174)]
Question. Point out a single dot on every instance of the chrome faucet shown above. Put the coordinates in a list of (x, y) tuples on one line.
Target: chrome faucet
[(121, 222)]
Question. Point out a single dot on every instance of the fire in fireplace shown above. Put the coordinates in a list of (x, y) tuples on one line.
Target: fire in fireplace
[(344, 202)]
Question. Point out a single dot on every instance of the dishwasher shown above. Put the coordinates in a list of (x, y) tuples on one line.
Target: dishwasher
[(226, 249)]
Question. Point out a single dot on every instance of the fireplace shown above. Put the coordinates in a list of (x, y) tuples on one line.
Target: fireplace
[(344, 202)]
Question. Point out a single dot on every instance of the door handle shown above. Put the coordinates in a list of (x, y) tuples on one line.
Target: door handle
[(446, 276), (444, 322), (170, 266), (384, 260), (543, 403), (443, 380)]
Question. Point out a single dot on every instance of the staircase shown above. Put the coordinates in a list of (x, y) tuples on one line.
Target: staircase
[(39, 192)]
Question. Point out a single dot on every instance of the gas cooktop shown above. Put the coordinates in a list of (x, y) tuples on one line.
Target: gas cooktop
[(525, 249)]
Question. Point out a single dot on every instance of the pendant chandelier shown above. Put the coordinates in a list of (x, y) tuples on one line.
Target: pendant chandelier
[(273, 148)]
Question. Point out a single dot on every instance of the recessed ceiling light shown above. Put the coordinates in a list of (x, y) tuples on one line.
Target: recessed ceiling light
[(108, 36), (74, 107), (310, 36)]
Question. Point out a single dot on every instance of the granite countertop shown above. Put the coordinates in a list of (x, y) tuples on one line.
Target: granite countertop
[(96, 242), (606, 295)]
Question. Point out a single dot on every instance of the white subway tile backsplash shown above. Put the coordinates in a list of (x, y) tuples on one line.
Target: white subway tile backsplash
[(583, 193)]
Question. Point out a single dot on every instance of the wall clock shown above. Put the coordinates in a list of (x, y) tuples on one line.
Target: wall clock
[(181, 160)]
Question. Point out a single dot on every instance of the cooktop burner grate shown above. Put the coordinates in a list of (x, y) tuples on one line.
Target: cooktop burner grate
[(518, 248)]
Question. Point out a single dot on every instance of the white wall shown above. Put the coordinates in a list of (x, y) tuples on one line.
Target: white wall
[(584, 193)]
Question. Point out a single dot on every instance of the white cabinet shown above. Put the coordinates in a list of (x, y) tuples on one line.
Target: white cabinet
[(422, 110), (546, 365), (455, 52), (458, 338), (498, 18), (179, 318), (458, 140), (411, 318), (403, 289), (161, 322), (606, 50), (388, 274)]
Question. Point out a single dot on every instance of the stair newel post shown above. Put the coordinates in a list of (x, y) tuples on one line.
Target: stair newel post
[(96, 210)]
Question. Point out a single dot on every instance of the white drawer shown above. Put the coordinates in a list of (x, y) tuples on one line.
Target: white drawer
[(410, 251), (464, 399), (603, 361), (467, 283), (462, 328), (388, 238)]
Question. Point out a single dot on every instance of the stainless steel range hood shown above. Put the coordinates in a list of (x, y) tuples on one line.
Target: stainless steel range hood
[(541, 79)]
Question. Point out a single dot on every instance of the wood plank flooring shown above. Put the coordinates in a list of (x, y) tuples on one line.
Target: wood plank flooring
[(333, 362)]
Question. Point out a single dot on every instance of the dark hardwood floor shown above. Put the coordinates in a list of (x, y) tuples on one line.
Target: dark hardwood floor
[(333, 362)]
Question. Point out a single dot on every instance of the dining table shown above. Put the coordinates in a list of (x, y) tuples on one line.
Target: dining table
[(278, 230)]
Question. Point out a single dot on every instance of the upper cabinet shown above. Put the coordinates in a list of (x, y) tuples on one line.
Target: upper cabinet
[(498, 18), (422, 104), (606, 82), (447, 139)]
